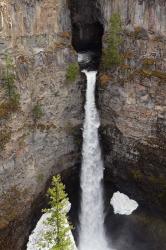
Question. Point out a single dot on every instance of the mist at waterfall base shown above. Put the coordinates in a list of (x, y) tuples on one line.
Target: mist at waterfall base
[(123, 232), (92, 234)]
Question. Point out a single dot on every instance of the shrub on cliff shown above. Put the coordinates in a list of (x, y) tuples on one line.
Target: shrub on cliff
[(72, 72), (111, 55), (9, 82), (5, 136), (13, 102), (37, 112)]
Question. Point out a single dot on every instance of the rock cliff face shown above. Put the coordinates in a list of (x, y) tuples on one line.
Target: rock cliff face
[(132, 103), (41, 136)]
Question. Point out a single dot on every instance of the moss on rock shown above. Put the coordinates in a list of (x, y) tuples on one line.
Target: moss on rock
[(5, 136), (72, 72)]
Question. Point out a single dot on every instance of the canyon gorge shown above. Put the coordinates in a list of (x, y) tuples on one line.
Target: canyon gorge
[(42, 135)]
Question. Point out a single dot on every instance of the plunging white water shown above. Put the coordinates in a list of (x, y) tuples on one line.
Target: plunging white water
[(92, 234)]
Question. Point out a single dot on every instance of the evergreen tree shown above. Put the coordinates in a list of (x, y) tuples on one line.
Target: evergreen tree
[(113, 41), (58, 236)]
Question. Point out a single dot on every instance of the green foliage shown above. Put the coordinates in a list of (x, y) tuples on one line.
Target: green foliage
[(113, 42), (58, 236), (5, 136), (37, 112), (13, 102), (9, 76), (72, 72), (9, 82)]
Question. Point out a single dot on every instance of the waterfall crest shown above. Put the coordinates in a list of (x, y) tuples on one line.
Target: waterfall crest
[(92, 235)]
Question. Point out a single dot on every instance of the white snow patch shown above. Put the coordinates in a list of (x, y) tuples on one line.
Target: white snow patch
[(39, 231), (122, 204)]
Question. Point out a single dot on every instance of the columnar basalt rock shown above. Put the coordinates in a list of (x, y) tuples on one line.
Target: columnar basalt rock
[(36, 36), (149, 14), (132, 103)]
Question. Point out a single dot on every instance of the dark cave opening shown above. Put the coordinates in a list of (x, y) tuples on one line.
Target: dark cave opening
[(87, 29), (87, 37)]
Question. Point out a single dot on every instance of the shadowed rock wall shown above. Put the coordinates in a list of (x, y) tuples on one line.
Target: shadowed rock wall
[(36, 35), (132, 103), (87, 29)]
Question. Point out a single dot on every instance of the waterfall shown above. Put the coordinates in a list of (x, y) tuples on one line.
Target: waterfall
[(92, 235)]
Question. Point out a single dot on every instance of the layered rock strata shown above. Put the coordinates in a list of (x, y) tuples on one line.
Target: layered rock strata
[(42, 135), (132, 102)]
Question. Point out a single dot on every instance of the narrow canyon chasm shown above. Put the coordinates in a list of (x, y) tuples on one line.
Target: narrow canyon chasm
[(42, 113)]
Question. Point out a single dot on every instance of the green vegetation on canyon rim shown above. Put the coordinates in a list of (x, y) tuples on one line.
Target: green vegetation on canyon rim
[(111, 55), (72, 72), (58, 237)]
